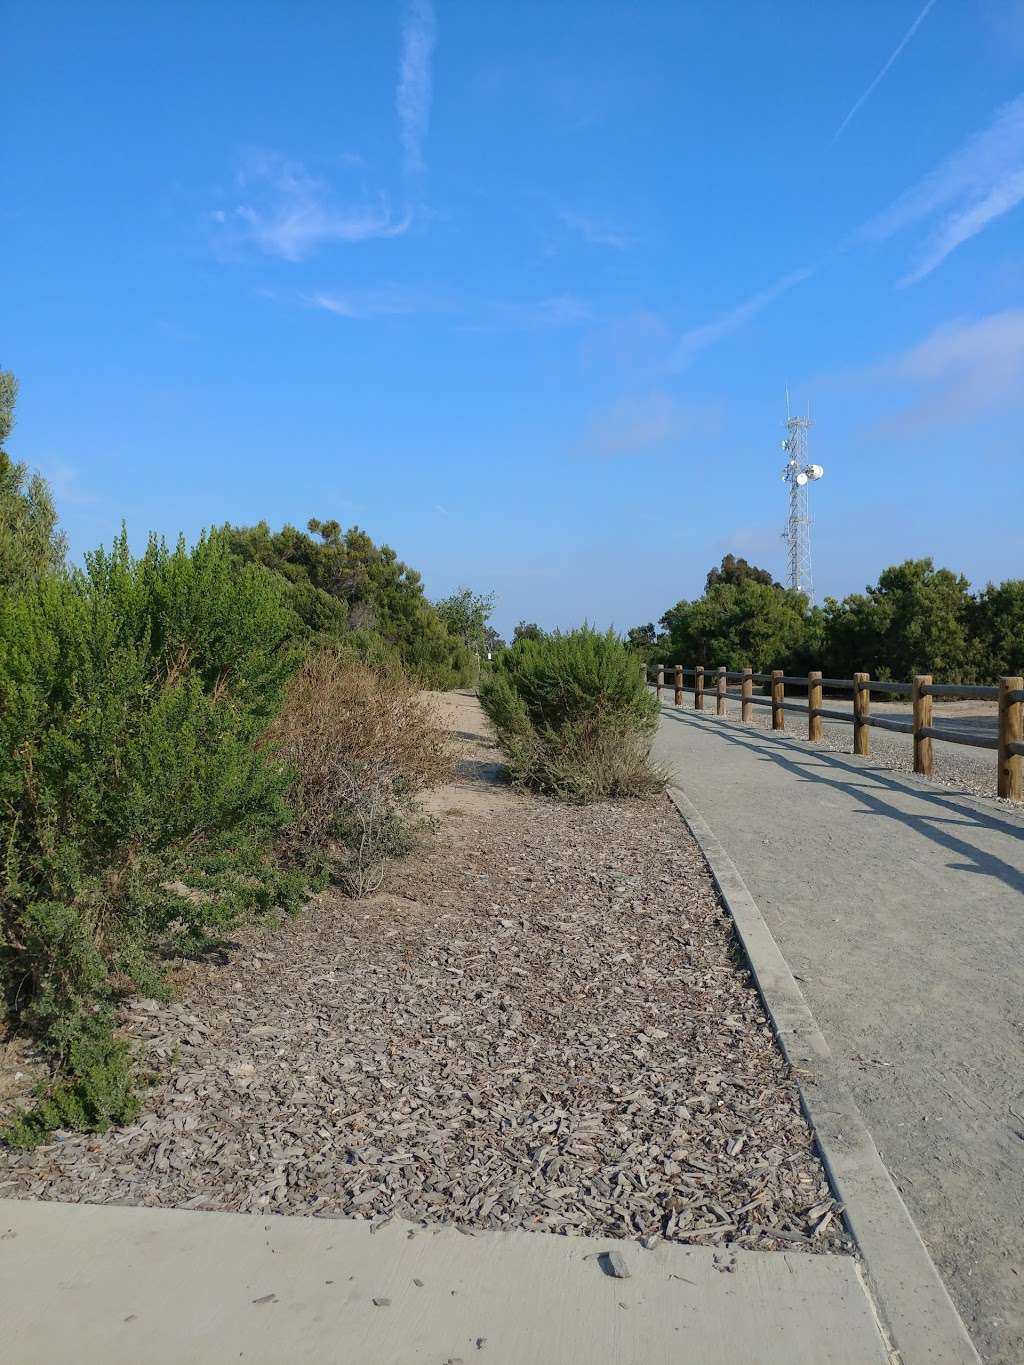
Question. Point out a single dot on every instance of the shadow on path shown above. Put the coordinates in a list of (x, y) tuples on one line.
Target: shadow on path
[(824, 766)]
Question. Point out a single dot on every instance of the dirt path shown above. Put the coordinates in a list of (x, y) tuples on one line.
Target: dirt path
[(899, 906), (542, 1024)]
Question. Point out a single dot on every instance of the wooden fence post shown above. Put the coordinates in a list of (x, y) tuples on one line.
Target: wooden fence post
[(922, 719), (698, 688), (814, 706), (679, 685), (1011, 731), (861, 713), (746, 705), (720, 702), (778, 698), (661, 679)]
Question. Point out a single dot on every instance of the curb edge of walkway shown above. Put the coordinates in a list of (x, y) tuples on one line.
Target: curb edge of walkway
[(910, 1297)]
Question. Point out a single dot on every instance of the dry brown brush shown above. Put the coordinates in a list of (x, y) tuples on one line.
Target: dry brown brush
[(361, 745)]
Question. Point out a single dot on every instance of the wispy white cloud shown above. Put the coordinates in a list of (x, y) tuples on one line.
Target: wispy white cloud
[(415, 79), (644, 423), (979, 183), (697, 339), (470, 314), (967, 222), (285, 211), (361, 305), (596, 232), (961, 370), (885, 69)]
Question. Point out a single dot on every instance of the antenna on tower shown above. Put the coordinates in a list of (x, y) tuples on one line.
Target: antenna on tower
[(799, 473)]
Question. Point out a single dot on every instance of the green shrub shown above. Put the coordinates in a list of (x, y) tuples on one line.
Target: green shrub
[(574, 717), (100, 1088), (140, 801)]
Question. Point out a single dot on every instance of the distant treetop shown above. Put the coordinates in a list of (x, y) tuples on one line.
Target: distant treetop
[(737, 571)]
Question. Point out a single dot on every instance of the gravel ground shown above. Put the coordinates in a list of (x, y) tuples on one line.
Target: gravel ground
[(543, 1024)]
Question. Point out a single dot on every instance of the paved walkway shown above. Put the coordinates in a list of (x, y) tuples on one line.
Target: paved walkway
[(899, 907), (100, 1285)]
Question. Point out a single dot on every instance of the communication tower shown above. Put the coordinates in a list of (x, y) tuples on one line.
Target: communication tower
[(799, 473)]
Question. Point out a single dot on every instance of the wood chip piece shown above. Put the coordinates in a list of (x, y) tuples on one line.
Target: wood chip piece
[(613, 1264)]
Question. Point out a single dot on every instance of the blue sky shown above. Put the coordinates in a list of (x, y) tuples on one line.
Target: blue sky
[(518, 288)]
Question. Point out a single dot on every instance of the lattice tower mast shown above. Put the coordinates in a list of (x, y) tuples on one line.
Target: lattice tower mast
[(797, 535)]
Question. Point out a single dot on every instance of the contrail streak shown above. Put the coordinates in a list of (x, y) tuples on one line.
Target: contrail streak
[(906, 39)]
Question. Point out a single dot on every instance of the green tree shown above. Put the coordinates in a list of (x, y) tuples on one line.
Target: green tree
[(8, 399), (343, 585), (30, 544), (527, 630), (737, 571), (997, 628), (641, 638), (494, 643), (738, 624), (915, 619), (465, 614)]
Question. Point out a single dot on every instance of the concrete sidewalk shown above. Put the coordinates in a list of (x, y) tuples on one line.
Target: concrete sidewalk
[(899, 906), (97, 1285)]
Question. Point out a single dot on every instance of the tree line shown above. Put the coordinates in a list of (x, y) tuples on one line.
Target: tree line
[(915, 619)]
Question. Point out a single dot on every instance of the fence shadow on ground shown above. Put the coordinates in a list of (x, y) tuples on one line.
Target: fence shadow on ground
[(811, 764)]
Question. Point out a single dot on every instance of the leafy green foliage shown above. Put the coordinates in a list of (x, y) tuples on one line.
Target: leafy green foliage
[(527, 630), (997, 629), (641, 637), (345, 589), (736, 572), (8, 399), (916, 619), (465, 615), (493, 642), (573, 716), (738, 624), (140, 800), (147, 768), (99, 1089), (30, 544)]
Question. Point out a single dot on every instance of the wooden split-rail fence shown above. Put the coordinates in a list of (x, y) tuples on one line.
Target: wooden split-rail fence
[(1008, 742)]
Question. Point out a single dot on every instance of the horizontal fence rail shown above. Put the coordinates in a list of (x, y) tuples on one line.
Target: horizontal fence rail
[(1008, 742)]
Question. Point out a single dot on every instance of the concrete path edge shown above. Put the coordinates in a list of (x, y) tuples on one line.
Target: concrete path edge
[(914, 1306)]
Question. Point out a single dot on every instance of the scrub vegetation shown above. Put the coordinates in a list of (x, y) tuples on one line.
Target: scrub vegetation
[(189, 739)]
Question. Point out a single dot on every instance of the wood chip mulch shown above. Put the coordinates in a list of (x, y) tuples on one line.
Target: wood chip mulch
[(543, 1024)]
